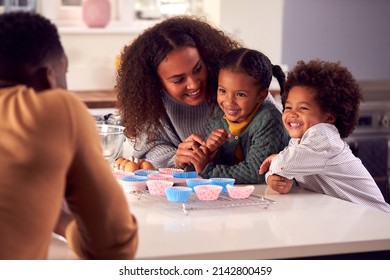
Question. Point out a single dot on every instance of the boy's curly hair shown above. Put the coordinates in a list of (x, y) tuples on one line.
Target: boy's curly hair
[(138, 85), (337, 90)]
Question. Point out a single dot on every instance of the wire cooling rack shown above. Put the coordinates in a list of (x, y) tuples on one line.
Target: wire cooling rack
[(193, 203)]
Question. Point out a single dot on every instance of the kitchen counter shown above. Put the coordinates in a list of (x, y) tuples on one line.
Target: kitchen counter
[(300, 224)]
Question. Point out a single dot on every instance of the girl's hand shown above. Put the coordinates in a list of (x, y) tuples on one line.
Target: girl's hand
[(280, 184), (216, 139), (266, 164), (185, 149)]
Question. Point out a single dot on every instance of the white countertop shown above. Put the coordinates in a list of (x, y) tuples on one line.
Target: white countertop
[(299, 224)]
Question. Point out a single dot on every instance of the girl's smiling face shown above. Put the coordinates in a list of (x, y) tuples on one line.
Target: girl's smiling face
[(183, 75), (302, 111), (238, 95)]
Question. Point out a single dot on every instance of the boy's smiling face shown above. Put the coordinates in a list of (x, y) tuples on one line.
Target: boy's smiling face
[(302, 111)]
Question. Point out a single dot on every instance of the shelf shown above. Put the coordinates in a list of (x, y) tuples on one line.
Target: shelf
[(98, 99), (113, 28)]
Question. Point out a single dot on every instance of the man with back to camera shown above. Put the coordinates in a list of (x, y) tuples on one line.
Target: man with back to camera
[(50, 151)]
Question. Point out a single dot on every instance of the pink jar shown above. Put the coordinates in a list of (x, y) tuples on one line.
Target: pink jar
[(96, 13)]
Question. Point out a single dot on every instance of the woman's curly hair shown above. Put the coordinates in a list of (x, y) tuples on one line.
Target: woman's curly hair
[(138, 85), (337, 90)]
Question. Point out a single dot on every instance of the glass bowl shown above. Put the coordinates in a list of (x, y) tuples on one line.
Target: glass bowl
[(111, 139)]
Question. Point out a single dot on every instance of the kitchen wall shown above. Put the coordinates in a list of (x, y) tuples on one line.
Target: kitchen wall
[(355, 32), (92, 52), (92, 55)]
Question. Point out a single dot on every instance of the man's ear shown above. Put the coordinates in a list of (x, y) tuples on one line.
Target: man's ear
[(43, 79)]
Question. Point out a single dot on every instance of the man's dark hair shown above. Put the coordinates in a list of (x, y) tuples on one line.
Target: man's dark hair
[(27, 41)]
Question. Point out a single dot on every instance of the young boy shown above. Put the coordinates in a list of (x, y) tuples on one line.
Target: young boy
[(50, 151), (321, 107)]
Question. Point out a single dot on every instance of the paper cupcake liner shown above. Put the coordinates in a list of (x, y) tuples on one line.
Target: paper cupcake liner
[(157, 187), (208, 192), (178, 194), (223, 182), (145, 172), (160, 176), (170, 171), (240, 192), (191, 174), (193, 182)]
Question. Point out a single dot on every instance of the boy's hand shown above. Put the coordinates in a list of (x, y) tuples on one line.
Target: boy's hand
[(266, 164), (280, 184)]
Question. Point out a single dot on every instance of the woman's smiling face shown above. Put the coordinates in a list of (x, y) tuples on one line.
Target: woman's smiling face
[(302, 111), (183, 76)]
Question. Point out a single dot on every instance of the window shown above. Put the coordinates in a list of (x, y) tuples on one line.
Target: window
[(19, 5), (71, 2), (154, 9)]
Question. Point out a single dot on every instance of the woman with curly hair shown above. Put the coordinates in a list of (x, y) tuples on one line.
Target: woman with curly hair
[(321, 107), (167, 85)]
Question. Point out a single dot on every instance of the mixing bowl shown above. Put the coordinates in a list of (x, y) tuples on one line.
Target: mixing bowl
[(111, 138)]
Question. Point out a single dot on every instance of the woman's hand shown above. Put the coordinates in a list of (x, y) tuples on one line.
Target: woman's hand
[(280, 184), (200, 157), (185, 150)]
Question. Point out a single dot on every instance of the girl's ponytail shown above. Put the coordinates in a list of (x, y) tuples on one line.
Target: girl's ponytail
[(278, 73)]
